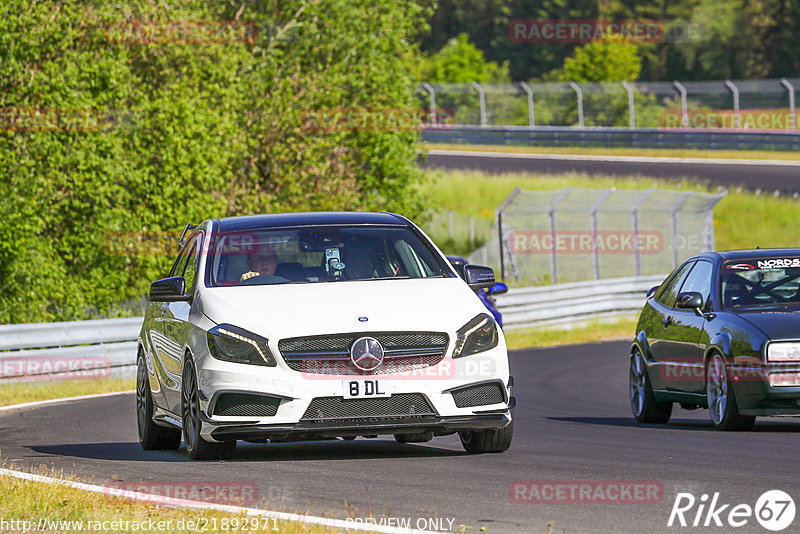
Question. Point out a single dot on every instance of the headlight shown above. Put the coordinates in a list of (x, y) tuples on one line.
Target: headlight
[(476, 336), (783, 352), (233, 344)]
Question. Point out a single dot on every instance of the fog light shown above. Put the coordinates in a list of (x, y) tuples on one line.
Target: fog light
[(784, 379)]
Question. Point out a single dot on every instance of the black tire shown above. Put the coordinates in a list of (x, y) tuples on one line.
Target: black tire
[(722, 407), (481, 441), (197, 447), (152, 437), (643, 402), (419, 437)]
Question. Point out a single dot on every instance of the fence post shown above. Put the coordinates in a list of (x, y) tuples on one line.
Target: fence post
[(674, 214), (637, 264), (499, 214), (450, 230), (595, 205), (684, 104), (708, 235), (531, 114), (482, 100), (631, 108), (735, 91), (428, 87), (551, 216), (792, 118), (471, 229), (579, 95)]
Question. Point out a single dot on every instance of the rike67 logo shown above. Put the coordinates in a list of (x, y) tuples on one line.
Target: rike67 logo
[(774, 510)]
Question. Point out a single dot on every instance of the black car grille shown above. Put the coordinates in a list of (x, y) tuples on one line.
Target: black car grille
[(330, 354), (479, 395), (246, 405), (333, 409)]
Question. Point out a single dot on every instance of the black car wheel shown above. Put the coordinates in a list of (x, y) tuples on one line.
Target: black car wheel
[(643, 403), (721, 400), (151, 436), (197, 447), (480, 441)]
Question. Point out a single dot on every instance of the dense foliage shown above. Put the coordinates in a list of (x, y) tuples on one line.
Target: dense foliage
[(121, 122), (709, 39)]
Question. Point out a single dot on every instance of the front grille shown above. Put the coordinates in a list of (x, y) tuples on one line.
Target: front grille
[(330, 354), (332, 409), (479, 395), (246, 405)]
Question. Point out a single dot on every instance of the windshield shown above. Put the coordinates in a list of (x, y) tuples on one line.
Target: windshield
[(761, 282), (320, 254)]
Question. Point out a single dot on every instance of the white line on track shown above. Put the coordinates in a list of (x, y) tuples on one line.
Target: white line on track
[(35, 404), (619, 159), (184, 503)]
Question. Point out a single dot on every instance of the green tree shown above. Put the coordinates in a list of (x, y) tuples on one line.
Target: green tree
[(459, 61), (188, 129), (610, 59)]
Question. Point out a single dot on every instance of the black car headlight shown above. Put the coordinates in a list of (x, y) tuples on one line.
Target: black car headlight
[(478, 335), (233, 344)]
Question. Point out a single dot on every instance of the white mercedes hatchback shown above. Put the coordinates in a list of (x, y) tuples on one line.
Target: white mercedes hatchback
[(311, 326)]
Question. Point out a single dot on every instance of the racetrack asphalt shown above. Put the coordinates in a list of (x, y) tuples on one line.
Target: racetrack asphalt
[(767, 176), (572, 424)]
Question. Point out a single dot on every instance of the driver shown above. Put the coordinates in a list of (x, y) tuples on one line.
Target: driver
[(262, 262)]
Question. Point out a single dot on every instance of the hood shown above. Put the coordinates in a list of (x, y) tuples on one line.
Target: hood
[(290, 310), (777, 322)]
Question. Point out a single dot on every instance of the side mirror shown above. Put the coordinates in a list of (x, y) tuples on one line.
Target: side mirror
[(691, 300), (479, 277), (498, 289), (652, 291), (169, 290)]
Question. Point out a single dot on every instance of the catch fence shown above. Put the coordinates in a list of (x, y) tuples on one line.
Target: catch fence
[(574, 234)]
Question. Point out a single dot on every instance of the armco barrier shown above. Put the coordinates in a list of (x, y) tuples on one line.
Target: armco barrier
[(108, 346), (103, 348), (574, 302), (614, 137)]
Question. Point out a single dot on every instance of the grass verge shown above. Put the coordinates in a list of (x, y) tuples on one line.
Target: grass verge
[(20, 392), (639, 152), (56, 508), (596, 330)]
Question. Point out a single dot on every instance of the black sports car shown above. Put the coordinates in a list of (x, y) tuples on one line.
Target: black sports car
[(721, 332)]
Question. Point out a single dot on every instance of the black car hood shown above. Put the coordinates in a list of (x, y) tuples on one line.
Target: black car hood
[(777, 322)]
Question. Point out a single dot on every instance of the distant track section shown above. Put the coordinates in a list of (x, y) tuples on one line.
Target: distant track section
[(767, 175)]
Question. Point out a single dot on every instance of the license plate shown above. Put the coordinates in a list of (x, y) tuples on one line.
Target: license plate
[(366, 389)]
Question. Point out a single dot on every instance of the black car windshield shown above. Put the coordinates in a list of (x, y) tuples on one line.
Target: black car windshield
[(761, 282), (320, 254)]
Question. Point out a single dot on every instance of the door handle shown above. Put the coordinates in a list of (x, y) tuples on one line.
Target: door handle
[(666, 321)]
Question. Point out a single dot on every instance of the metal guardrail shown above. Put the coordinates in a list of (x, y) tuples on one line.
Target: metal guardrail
[(103, 348), (106, 348), (574, 302), (611, 137)]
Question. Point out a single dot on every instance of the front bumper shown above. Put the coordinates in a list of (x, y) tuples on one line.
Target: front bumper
[(303, 430), (756, 396)]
